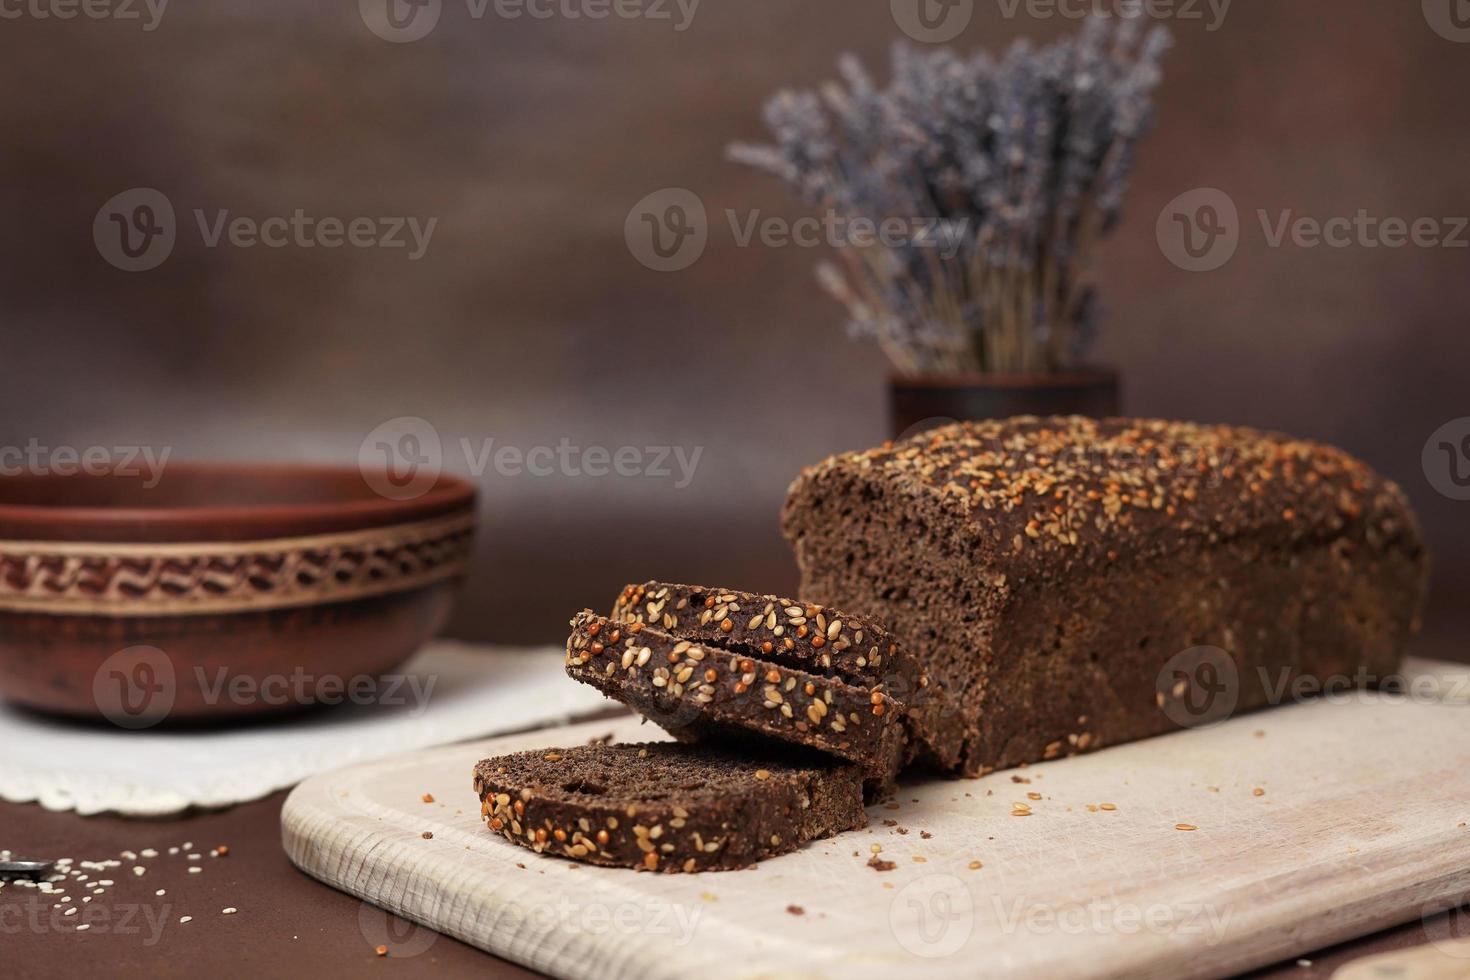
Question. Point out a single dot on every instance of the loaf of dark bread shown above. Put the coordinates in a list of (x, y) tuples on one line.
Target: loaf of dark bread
[(806, 637), (666, 806), (700, 693), (1048, 571)]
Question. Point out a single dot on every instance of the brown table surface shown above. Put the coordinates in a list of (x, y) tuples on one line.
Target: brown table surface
[(287, 924)]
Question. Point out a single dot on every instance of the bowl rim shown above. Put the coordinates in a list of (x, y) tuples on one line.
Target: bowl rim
[(238, 522)]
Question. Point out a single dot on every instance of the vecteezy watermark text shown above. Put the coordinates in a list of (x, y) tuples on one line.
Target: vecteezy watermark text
[(402, 458), (35, 459), (668, 231), (39, 916), (1285, 685), (302, 688), (136, 230), (571, 460), (1203, 686), (1450, 19), (1200, 230), (1212, 12), (148, 13), (138, 687), (1098, 917), (402, 21), (1446, 459)]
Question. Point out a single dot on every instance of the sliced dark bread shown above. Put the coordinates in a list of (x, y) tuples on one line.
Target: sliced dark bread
[(667, 806), (696, 691), (808, 637), (1061, 577)]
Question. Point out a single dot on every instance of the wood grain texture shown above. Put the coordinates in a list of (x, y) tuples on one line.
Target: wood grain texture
[(1356, 828)]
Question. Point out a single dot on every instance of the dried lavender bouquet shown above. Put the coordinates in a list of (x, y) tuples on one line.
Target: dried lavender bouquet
[(1007, 171)]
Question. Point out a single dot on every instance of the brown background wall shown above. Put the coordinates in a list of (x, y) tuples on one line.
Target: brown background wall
[(528, 321)]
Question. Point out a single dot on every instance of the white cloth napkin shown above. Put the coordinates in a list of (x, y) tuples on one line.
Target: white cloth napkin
[(477, 691)]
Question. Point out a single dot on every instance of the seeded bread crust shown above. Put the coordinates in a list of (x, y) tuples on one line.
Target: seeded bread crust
[(693, 691), (664, 806), (808, 637), (1048, 569)]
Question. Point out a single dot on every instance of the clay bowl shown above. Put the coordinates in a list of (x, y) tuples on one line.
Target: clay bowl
[(221, 591)]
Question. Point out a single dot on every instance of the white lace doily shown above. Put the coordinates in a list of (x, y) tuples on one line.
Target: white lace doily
[(477, 691)]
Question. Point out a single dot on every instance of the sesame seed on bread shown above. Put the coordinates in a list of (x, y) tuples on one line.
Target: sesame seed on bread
[(666, 806), (1047, 571), (808, 637), (698, 691)]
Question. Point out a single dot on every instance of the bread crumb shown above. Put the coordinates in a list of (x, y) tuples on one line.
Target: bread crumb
[(796, 910), (428, 797)]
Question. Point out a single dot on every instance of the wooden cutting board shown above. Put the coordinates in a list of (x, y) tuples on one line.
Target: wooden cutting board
[(1315, 823)]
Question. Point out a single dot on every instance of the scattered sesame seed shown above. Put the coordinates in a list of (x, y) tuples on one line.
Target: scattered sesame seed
[(1185, 826), (230, 910)]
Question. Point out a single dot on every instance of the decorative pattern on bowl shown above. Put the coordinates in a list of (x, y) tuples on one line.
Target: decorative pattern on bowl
[(119, 579)]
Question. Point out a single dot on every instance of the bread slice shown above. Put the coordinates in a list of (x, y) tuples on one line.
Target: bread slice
[(1062, 577), (808, 637), (667, 806), (701, 693)]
